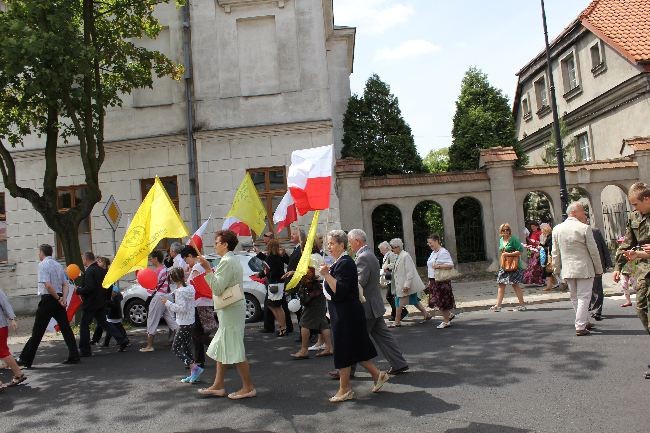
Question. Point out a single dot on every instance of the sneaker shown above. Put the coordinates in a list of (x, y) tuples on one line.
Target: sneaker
[(443, 325), (146, 349), (495, 308), (188, 379), (519, 308), (316, 347), (196, 373)]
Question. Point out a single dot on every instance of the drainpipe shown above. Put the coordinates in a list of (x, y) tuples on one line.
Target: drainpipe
[(195, 211)]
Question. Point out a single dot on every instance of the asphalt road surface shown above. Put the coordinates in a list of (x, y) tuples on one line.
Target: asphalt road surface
[(507, 372)]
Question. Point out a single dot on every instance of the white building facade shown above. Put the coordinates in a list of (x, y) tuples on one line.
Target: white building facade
[(268, 77)]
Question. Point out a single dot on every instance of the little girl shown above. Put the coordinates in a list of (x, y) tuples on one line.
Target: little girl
[(184, 309)]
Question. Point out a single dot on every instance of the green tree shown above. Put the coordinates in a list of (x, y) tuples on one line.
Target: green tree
[(374, 130), (483, 119), (568, 147), (437, 160), (62, 63)]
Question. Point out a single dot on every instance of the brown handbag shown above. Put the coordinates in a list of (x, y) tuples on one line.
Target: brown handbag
[(509, 263)]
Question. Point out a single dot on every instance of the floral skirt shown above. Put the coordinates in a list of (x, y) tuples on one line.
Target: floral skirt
[(534, 274), (441, 295), (509, 278)]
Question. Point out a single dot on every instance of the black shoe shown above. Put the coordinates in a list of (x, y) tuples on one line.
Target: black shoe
[(267, 331), (123, 346), (93, 342), (106, 343), (72, 361), (397, 370), (85, 355), (23, 363), (597, 317)]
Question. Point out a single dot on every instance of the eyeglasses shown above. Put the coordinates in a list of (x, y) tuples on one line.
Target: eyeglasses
[(266, 235), (505, 231)]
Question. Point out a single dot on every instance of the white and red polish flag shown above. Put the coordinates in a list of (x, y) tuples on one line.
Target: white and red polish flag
[(197, 238), (310, 178), (237, 226), (286, 213)]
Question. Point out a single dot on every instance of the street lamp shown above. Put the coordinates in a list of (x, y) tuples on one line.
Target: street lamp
[(564, 197)]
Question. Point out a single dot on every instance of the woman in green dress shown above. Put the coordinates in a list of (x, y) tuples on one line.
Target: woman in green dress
[(227, 346)]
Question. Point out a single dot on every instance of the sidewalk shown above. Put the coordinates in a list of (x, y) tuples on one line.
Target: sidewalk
[(470, 296)]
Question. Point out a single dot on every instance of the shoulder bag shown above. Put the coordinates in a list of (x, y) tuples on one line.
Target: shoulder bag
[(446, 274), (509, 263), (231, 295)]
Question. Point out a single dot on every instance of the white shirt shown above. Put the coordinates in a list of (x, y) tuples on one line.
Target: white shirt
[(184, 305), (440, 257), (197, 269), (50, 271)]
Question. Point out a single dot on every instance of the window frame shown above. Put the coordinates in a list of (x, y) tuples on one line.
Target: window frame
[(72, 189), (145, 186), (579, 147), (526, 109), (542, 109), (269, 194), (597, 69), (570, 76)]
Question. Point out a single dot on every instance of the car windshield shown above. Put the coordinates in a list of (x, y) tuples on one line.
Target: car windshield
[(255, 264)]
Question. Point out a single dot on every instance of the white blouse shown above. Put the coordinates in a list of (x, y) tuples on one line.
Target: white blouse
[(440, 257)]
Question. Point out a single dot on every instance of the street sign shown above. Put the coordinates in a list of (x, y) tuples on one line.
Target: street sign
[(112, 212)]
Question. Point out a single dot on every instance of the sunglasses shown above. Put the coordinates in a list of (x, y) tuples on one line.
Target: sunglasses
[(266, 235)]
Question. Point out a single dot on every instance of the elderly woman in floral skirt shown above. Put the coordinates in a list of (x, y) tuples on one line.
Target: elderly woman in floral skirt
[(441, 295)]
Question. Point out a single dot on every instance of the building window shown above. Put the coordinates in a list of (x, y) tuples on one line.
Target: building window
[(171, 186), (541, 96), (597, 58), (67, 198), (3, 229), (525, 108), (583, 149), (570, 73), (271, 184)]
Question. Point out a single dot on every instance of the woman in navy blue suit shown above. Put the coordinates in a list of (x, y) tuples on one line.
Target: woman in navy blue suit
[(351, 341)]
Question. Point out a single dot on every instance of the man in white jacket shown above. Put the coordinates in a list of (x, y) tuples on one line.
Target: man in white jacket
[(577, 261)]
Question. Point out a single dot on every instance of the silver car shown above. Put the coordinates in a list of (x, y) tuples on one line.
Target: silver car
[(254, 292)]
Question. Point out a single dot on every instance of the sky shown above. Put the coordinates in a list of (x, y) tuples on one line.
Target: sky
[(422, 49)]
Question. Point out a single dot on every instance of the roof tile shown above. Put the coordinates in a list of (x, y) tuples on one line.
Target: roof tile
[(624, 24)]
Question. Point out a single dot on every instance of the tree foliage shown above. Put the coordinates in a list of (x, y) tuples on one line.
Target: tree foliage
[(437, 160), (375, 131), (549, 156), (62, 63), (483, 119)]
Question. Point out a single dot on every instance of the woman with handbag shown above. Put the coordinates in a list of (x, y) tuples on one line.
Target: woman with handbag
[(440, 269), (407, 283), (510, 267), (227, 346), (273, 272)]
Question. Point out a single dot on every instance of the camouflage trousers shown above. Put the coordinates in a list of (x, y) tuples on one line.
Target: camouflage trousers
[(643, 302)]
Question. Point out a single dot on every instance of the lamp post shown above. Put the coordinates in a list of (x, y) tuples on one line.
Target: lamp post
[(564, 196)]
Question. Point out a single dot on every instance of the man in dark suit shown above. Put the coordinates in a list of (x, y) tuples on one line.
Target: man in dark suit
[(368, 270), (597, 296), (93, 306)]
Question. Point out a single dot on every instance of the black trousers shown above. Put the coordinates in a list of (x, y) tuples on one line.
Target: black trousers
[(99, 331), (269, 318), (87, 317), (390, 298), (48, 308), (117, 328), (200, 339), (597, 297)]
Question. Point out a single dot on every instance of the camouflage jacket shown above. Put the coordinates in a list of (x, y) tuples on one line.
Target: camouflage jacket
[(637, 233)]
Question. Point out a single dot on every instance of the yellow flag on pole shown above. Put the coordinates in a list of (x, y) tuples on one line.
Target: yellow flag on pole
[(247, 206), (305, 258), (156, 219)]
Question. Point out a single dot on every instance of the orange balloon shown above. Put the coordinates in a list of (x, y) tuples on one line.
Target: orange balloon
[(73, 271)]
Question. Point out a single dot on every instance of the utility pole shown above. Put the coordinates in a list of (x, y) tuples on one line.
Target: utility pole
[(564, 196)]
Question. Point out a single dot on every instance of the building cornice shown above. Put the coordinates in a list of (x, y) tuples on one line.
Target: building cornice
[(229, 5), (281, 128), (349, 35), (625, 93)]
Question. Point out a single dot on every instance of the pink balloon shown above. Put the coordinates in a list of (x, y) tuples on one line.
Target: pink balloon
[(148, 279)]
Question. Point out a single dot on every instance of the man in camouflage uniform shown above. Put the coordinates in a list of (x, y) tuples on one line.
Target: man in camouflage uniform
[(636, 246)]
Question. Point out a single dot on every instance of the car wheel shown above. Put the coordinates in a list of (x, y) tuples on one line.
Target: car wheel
[(253, 309), (136, 312)]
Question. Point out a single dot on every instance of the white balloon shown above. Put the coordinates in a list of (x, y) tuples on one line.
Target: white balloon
[(294, 305)]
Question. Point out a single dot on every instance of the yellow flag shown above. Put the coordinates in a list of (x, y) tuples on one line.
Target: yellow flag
[(156, 219), (247, 206), (305, 258)]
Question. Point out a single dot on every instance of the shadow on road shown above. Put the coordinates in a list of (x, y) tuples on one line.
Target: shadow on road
[(487, 428)]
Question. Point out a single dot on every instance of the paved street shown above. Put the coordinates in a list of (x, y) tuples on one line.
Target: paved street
[(490, 372)]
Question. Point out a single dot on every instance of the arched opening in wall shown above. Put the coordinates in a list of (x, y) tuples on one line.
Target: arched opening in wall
[(386, 224), (538, 207), (427, 219), (468, 225), (616, 208), (580, 194)]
